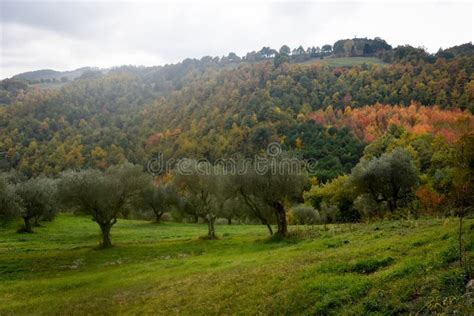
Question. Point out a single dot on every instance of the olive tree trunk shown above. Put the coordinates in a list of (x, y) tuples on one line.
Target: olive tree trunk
[(27, 228), (256, 211), (37, 223), (269, 227), (211, 233), (281, 219), (158, 216), (105, 230)]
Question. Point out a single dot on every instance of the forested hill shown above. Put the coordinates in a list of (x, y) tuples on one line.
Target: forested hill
[(215, 107)]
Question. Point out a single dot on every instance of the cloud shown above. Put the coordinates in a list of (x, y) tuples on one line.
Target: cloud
[(71, 35)]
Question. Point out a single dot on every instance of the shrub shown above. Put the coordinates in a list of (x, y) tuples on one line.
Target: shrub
[(306, 215), (367, 206), (329, 213)]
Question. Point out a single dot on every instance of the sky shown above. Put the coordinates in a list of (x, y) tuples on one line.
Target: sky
[(69, 35)]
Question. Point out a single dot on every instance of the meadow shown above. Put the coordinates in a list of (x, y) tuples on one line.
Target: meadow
[(346, 61), (387, 267)]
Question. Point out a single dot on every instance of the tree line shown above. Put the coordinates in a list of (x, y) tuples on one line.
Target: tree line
[(123, 189)]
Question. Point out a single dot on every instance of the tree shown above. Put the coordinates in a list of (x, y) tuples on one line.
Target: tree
[(282, 56), (158, 198), (232, 57), (337, 193), (461, 195), (9, 200), (271, 185), (280, 59), (232, 208), (326, 49), (38, 199), (204, 186), (267, 52), (284, 50), (103, 194), (255, 207), (391, 178), (430, 200)]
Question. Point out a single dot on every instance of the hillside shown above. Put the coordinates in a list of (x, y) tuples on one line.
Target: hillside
[(346, 61), (53, 75), (394, 266), (202, 109)]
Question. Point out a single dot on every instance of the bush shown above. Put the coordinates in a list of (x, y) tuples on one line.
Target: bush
[(347, 213), (177, 216), (329, 213), (306, 215), (166, 217), (221, 221), (367, 207)]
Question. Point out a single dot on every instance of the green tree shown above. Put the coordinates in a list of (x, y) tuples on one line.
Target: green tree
[(103, 194), (334, 193), (158, 198), (9, 200), (272, 184), (204, 186), (461, 194), (284, 50), (38, 198), (390, 178)]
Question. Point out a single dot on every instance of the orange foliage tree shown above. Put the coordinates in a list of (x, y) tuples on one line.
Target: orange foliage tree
[(371, 122), (431, 200)]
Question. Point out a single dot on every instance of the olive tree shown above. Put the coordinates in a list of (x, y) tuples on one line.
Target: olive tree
[(187, 209), (103, 194), (233, 208), (158, 198), (255, 208), (9, 200), (38, 200), (390, 179), (271, 185), (204, 187)]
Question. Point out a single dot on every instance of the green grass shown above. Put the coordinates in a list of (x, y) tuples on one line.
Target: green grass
[(383, 268), (346, 61)]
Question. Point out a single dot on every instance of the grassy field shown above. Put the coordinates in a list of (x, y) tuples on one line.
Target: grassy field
[(346, 61), (382, 268), (330, 61)]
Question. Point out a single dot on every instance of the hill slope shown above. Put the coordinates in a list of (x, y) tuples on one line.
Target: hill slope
[(202, 109), (165, 268), (49, 74)]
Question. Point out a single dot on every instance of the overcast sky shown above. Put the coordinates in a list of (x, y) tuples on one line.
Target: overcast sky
[(65, 36)]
